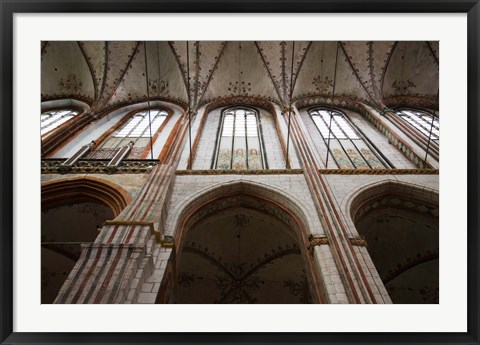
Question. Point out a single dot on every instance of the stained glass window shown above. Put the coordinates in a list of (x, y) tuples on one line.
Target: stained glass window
[(138, 125), (137, 129), (346, 145), (423, 122), (50, 120), (240, 145)]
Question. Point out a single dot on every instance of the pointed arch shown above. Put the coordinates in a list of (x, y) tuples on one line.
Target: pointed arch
[(105, 192), (259, 199)]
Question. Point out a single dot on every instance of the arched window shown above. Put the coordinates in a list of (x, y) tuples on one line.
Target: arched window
[(50, 120), (239, 142), (423, 122), (348, 148), (138, 125), (139, 129)]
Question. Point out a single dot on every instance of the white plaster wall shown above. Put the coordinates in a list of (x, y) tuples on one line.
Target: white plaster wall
[(206, 145), (283, 133), (188, 187), (273, 148)]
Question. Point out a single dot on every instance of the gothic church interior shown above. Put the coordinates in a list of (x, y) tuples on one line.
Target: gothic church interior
[(240, 172)]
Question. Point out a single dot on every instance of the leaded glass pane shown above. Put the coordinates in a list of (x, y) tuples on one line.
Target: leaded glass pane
[(348, 149), (139, 125), (239, 143), (52, 119), (422, 122)]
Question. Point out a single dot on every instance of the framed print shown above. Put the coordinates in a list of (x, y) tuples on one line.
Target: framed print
[(243, 172)]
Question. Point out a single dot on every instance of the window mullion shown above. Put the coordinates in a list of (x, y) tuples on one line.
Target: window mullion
[(134, 127), (338, 140), (147, 126), (56, 120), (419, 123), (414, 122), (260, 141), (348, 138), (233, 138)]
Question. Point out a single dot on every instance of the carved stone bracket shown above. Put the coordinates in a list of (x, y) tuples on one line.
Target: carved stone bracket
[(316, 241), (358, 241), (287, 110), (168, 242)]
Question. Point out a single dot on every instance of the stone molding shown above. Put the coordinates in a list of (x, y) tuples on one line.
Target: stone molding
[(54, 166)]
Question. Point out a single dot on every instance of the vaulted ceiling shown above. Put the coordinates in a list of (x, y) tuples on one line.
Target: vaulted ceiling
[(108, 74)]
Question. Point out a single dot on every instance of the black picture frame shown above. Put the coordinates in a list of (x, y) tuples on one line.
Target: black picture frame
[(10, 7)]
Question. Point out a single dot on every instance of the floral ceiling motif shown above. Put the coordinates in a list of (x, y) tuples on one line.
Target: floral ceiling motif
[(113, 73), (323, 84), (70, 84), (404, 86)]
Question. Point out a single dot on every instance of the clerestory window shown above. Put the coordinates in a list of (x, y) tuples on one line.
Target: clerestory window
[(239, 142), (138, 126), (139, 129), (347, 147), (423, 122), (50, 120)]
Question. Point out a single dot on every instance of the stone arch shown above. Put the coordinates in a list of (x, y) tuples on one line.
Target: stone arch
[(257, 200), (72, 212), (105, 192), (296, 206), (400, 224), (246, 101), (378, 189)]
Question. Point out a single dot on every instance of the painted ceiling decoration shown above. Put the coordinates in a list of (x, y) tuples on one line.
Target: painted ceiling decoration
[(375, 56), (118, 59), (95, 61), (327, 72), (412, 73), (203, 61), (153, 63), (110, 74), (65, 73), (241, 72)]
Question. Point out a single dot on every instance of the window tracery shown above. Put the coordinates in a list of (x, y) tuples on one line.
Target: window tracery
[(345, 143), (239, 142), (138, 129), (49, 120), (423, 122)]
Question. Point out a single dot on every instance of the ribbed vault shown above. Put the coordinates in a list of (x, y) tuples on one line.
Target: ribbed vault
[(109, 74)]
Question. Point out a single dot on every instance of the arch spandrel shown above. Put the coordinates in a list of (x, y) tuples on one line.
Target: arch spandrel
[(295, 205)]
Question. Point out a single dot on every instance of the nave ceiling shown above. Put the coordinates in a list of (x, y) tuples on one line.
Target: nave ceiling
[(110, 74)]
